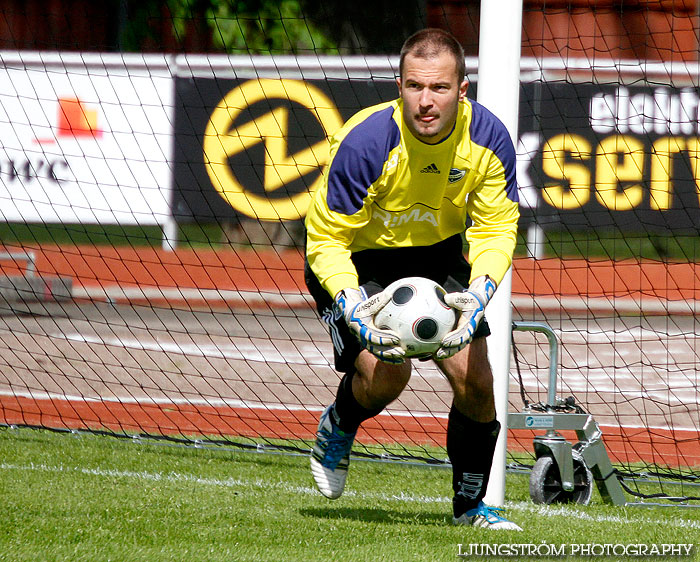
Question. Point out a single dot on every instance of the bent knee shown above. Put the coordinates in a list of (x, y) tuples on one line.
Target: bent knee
[(381, 383)]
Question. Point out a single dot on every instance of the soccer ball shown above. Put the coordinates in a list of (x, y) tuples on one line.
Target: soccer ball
[(418, 314)]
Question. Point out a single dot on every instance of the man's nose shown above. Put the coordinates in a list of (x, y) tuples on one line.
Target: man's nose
[(425, 99)]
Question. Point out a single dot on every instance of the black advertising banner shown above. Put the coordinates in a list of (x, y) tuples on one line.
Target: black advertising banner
[(609, 156), (588, 156), (255, 148)]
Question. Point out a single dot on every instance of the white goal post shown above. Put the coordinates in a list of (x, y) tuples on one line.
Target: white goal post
[(499, 90)]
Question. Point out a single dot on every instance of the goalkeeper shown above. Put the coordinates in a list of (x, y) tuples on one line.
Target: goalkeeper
[(405, 179)]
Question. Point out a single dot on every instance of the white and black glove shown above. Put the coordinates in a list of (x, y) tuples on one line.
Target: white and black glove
[(358, 311), (471, 304)]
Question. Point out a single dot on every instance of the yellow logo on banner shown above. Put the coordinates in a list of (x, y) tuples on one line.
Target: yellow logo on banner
[(221, 142)]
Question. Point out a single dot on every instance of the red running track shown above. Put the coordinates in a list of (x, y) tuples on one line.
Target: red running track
[(674, 448)]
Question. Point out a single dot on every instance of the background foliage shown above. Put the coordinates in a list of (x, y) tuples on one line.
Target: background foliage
[(274, 26)]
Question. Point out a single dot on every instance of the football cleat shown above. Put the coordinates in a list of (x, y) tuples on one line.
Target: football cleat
[(330, 456), (486, 516)]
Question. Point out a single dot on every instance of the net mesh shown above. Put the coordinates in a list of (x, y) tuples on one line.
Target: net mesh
[(152, 225)]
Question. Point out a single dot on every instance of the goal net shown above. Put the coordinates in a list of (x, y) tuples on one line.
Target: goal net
[(608, 173), (151, 235)]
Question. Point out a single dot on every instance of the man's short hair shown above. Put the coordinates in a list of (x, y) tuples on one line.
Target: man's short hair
[(430, 42)]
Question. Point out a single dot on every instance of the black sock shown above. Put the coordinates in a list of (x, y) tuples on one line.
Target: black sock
[(349, 414), (470, 447)]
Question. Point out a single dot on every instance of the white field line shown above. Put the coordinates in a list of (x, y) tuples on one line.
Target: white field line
[(369, 497), (239, 349), (213, 402), (599, 334), (164, 401), (242, 349), (116, 293), (578, 513), (625, 305)]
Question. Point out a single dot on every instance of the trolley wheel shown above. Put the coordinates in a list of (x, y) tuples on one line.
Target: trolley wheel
[(546, 486)]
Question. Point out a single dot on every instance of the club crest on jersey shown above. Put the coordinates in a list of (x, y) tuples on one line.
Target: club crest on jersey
[(455, 175), (430, 169)]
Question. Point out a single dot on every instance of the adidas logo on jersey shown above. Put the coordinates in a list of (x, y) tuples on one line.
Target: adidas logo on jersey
[(430, 169)]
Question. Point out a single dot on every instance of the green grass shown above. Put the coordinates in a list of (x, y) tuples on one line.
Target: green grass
[(190, 235), (194, 235), (98, 499), (20, 233), (594, 244), (608, 244)]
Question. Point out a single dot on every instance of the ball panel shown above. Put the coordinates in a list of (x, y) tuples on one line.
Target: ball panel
[(418, 314), (425, 329), (403, 295), (440, 292)]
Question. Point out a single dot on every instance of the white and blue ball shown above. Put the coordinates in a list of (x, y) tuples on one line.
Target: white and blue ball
[(418, 314)]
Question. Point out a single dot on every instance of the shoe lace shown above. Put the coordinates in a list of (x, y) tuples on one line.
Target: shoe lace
[(491, 514), (338, 444)]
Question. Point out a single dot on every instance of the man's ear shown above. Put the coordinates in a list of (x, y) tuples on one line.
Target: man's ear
[(463, 90), (398, 84)]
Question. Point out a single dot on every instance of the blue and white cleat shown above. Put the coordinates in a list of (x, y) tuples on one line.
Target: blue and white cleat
[(330, 456), (487, 517)]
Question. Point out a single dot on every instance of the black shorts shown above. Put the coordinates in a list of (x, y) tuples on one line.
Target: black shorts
[(443, 262)]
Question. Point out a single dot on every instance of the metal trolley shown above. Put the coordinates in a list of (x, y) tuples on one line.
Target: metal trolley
[(565, 472)]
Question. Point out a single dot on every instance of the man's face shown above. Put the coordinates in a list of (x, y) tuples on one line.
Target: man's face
[(431, 92)]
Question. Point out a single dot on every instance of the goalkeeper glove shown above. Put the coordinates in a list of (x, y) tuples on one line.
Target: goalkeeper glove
[(471, 304), (358, 311)]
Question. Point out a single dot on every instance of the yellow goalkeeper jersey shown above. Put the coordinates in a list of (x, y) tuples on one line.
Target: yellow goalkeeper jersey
[(383, 188)]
